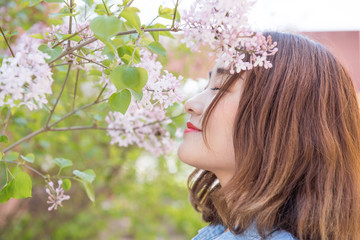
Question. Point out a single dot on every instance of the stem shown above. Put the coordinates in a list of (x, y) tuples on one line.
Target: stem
[(33, 134), (106, 8), (6, 121), (129, 3), (67, 38), (7, 43), (175, 10), (89, 60), (136, 44), (57, 100), (91, 40), (75, 88), (28, 167), (70, 23)]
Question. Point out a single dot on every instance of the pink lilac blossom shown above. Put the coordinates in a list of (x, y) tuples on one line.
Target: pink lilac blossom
[(160, 92), (223, 25), (25, 79), (56, 195)]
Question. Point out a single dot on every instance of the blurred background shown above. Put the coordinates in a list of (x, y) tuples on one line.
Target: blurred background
[(138, 196)]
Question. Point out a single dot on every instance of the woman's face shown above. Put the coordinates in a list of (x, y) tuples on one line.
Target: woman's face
[(219, 158)]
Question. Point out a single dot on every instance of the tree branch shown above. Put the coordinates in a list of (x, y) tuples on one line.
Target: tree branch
[(175, 10), (7, 43), (91, 40), (75, 88), (92, 61), (57, 100), (28, 167), (67, 38), (70, 23)]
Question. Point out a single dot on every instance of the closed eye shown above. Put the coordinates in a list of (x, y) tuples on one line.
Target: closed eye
[(215, 88)]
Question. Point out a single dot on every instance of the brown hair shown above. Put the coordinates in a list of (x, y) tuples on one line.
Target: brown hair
[(297, 149)]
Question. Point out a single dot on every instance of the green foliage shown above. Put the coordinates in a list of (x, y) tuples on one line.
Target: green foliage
[(62, 162), (66, 184), (52, 52), (130, 14), (120, 101), (19, 187), (157, 48), (29, 157), (105, 27)]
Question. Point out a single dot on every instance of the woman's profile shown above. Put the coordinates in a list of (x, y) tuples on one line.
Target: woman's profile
[(277, 150)]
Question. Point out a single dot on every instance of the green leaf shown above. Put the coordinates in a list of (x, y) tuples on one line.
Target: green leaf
[(130, 14), (105, 26), (66, 184), (62, 162), (125, 53), (171, 128), (143, 77), (64, 12), (34, 2), (21, 185), (163, 33), (89, 190), (54, 1), (87, 175), (4, 139), (124, 76), (13, 156), (29, 157), (157, 48), (120, 101), (155, 36), (52, 52), (37, 36), (5, 194)]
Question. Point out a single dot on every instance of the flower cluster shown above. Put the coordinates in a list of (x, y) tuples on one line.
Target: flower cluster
[(56, 195), (144, 122), (26, 78), (223, 25)]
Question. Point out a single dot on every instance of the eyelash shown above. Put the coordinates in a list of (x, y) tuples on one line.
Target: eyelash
[(215, 88)]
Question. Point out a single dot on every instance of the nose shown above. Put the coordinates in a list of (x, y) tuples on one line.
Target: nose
[(194, 106)]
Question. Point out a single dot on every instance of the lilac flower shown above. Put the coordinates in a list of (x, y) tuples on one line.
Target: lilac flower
[(160, 92), (25, 79), (56, 196), (223, 25)]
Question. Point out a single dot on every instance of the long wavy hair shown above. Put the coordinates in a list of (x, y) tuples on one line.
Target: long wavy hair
[(297, 149)]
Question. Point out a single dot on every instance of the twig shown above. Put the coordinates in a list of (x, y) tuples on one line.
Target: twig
[(70, 23), (33, 134), (57, 44), (129, 3), (57, 100), (6, 121), (94, 127), (89, 60), (136, 44), (175, 10), (91, 40), (101, 92), (61, 64), (28, 167), (106, 8), (7, 43), (75, 88)]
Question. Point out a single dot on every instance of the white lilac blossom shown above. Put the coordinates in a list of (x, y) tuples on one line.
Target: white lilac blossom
[(160, 92), (223, 25), (25, 79), (56, 195)]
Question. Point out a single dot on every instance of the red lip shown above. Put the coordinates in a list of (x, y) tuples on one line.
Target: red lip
[(191, 128)]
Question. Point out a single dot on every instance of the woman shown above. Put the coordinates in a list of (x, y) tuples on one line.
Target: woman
[(277, 151)]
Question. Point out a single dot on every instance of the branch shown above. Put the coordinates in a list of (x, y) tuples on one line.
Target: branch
[(67, 38), (91, 40), (175, 10), (136, 44), (92, 61), (7, 43), (106, 8), (129, 3), (75, 88), (57, 100), (70, 23), (31, 135), (28, 167), (61, 64)]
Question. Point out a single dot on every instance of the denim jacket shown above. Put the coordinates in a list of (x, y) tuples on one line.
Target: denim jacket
[(217, 232)]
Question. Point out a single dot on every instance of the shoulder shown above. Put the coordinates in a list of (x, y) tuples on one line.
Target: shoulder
[(217, 232)]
